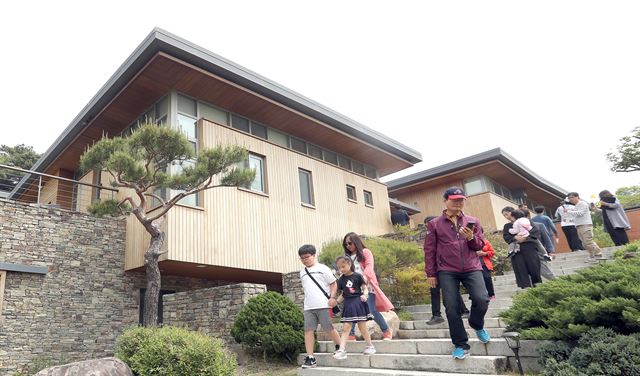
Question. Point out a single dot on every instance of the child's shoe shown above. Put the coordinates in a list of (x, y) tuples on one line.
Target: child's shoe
[(352, 338), (387, 335), (370, 350), (340, 355), (309, 362)]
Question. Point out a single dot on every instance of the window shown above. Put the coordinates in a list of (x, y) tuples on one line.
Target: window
[(214, 114), (344, 162), (331, 157), (473, 186), (351, 193), (358, 167), (314, 151), (258, 130), (370, 172), (368, 198), (306, 187), (278, 138), (191, 200), (240, 123), (298, 145), (256, 162), (162, 109)]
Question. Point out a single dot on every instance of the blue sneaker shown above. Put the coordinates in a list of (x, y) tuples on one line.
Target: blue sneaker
[(483, 335), (459, 353)]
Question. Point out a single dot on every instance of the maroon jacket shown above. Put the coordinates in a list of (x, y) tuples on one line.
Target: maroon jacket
[(446, 250)]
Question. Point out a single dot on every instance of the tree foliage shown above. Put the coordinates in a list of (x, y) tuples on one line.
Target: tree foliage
[(21, 156), (626, 158), (629, 196), (140, 164)]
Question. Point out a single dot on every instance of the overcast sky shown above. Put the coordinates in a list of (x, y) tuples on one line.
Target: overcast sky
[(555, 84)]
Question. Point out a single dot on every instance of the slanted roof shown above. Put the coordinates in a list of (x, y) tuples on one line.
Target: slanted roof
[(496, 154), (161, 41), (411, 209)]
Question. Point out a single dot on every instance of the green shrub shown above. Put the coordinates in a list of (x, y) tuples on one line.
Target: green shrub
[(173, 351), (567, 307), (272, 324), (501, 263), (630, 250), (600, 351), (407, 286), (601, 237), (111, 208), (390, 257)]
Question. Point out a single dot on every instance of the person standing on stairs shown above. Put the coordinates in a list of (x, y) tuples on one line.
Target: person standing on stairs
[(364, 264), (436, 316), (450, 247)]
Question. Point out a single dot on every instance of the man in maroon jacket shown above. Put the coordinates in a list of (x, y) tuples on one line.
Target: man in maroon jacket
[(450, 259)]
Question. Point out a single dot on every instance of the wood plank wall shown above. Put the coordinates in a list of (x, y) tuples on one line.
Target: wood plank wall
[(246, 230)]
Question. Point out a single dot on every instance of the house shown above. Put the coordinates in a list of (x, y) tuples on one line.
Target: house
[(317, 171), (491, 180)]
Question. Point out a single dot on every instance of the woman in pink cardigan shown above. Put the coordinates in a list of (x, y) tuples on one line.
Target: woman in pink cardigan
[(364, 264)]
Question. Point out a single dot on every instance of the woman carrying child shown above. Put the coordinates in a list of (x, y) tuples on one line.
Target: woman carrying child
[(352, 288)]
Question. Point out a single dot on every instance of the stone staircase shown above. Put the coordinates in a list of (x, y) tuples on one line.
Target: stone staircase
[(421, 349)]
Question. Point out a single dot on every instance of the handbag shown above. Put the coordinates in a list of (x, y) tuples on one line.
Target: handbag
[(336, 309)]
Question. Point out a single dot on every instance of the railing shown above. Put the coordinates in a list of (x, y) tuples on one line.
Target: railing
[(28, 186)]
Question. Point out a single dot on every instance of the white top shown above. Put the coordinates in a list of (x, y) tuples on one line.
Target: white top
[(581, 214), (521, 227), (566, 219), (313, 297)]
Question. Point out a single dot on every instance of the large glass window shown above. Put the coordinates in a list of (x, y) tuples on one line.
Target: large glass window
[(298, 145), (256, 163), (306, 187), (258, 130), (187, 106), (331, 157), (240, 123), (187, 125), (191, 200), (344, 162), (278, 138), (474, 186), (314, 151)]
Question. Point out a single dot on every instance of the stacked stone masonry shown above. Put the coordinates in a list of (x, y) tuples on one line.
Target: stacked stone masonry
[(85, 300)]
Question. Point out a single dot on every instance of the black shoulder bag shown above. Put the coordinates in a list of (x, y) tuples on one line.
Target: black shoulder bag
[(336, 309)]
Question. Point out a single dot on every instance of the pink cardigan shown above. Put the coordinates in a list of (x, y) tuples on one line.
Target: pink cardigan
[(382, 302)]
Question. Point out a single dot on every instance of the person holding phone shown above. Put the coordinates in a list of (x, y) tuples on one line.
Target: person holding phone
[(450, 254)]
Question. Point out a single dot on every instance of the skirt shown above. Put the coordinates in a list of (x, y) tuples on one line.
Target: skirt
[(355, 310)]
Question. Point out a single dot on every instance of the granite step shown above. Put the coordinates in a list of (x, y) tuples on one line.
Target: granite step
[(331, 371)]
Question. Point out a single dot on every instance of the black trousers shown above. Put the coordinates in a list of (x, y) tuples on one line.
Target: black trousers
[(488, 281), (474, 283), (571, 233), (435, 302), (526, 267), (619, 236)]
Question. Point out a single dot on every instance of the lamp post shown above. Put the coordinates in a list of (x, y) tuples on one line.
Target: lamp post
[(513, 341)]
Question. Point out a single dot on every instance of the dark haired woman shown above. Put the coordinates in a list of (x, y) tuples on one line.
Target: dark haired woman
[(526, 264), (364, 264), (616, 222)]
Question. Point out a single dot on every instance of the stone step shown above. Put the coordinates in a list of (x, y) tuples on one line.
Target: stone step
[(436, 346), (424, 316), (443, 333), (331, 371), (417, 362), (422, 325), (502, 302)]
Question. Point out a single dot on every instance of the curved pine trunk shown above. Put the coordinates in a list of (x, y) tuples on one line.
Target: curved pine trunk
[(152, 295)]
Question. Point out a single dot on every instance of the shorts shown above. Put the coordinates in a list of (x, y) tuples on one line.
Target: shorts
[(314, 316)]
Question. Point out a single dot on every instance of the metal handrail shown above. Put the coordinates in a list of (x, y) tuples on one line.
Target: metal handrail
[(57, 177)]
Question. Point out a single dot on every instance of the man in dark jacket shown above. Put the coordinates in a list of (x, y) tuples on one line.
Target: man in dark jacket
[(450, 257)]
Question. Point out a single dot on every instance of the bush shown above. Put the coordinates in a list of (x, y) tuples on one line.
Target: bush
[(408, 286), (601, 237), (500, 261), (272, 324), (630, 250), (173, 351), (391, 257), (600, 351), (565, 308)]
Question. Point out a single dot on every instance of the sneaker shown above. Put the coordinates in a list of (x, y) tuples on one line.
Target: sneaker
[(309, 362), (340, 355), (459, 353), (370, 350), (483, 335), (352, 338), (465, 315), (435, 320), (387, 335)]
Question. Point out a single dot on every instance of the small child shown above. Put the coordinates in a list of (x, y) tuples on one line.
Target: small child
[(486, 254), (353, 287), (521, 227), (318, 283)]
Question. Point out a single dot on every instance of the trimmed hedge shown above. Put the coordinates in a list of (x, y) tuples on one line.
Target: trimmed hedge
[(272, 324), (174, 351), (566, 308)]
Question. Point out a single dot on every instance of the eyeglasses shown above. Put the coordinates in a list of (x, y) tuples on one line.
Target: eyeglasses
[(305, 257)]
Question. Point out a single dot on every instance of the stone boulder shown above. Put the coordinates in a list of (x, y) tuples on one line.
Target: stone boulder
[(96, 367), (374, 330)]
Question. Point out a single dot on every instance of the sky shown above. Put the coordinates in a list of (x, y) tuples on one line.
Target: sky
[(555, 84)]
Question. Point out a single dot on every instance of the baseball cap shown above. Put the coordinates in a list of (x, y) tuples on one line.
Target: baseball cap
[(454, 193)]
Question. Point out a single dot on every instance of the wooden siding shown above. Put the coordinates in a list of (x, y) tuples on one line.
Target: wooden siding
[(49, 192), (241, 229)]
